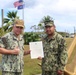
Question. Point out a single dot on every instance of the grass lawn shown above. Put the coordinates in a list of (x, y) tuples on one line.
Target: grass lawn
[(31, 66)]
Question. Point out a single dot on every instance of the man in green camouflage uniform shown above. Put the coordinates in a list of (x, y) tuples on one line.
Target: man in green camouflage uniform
[(55, 53), (12, 64)]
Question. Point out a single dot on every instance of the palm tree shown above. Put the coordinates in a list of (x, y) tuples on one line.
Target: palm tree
[(11, 16), (40, 26), (46, 19)]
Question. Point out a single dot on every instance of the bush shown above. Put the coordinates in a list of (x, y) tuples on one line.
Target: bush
[(30, 37)]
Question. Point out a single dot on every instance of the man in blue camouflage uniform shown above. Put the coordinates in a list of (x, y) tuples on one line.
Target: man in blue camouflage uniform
[(55, 53), (12, 63)]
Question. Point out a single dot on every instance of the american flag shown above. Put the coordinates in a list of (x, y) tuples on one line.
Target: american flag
[(17, 3)]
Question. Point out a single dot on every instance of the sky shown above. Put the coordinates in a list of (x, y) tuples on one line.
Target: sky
[(63, 12)]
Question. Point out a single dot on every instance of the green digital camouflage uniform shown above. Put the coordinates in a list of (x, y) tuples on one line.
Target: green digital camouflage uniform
[(55, 54), (12, 64)]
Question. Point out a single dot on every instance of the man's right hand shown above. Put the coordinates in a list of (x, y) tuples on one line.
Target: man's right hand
[(40, 58), (16, 50)]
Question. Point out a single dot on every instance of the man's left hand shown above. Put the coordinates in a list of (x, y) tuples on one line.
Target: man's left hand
[(59, 72)]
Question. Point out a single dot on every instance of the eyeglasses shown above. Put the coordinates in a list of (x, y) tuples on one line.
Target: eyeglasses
[(19, 27)]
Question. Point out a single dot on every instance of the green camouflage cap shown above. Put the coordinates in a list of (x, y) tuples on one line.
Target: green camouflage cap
[(49, 23)]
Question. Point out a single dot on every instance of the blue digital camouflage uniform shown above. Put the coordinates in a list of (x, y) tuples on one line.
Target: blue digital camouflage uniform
[(55, 54), (12, 63)]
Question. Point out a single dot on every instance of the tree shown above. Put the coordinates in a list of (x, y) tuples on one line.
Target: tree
[(46, 19), (31, 37), (40, 27), (1, 32), (11, 16), (34, 27)]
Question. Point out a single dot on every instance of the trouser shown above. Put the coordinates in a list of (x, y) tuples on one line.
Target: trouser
[(11, 73), (50, 73)]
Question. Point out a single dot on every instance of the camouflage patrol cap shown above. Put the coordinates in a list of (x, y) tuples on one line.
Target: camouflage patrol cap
[(19, 23), (51, 23)]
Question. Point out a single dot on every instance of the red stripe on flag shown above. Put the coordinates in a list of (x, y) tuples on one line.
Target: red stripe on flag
[(17, 3)]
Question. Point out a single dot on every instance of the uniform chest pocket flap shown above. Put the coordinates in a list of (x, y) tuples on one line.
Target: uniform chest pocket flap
[(54, 49)]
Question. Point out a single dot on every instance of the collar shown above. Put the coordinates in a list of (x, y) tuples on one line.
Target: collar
[(16, 38), (52, 38)]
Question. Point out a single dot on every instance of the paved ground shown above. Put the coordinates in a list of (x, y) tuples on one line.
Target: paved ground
[(71, 51)]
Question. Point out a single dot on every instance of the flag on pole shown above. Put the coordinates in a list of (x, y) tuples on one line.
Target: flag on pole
[(20, 0), (17, 3), (21, 6)]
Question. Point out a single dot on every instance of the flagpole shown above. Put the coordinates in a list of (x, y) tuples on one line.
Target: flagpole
[(2, 16), (23, 10), (20, 5), (2, 13), (23, 13)]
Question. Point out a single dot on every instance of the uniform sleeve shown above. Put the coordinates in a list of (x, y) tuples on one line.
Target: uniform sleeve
[(1, 43), (62, 55)]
